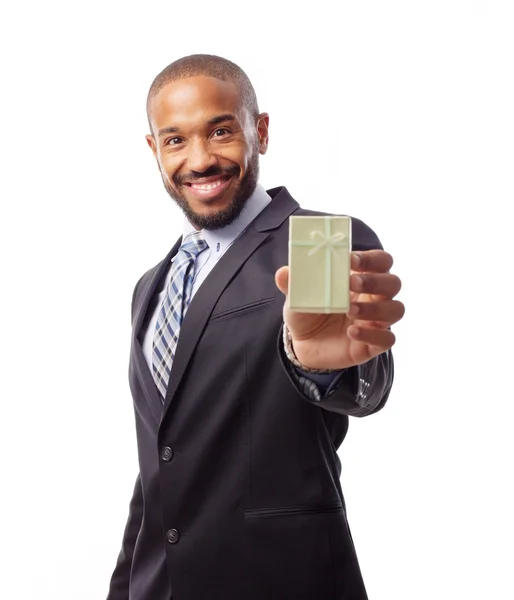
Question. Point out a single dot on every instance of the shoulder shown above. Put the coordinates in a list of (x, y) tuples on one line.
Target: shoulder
[(143, 283)]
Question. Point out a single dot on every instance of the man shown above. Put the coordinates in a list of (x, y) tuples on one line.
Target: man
[(241, 404)]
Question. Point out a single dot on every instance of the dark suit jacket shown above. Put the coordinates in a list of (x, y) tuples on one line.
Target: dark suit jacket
[(238, 495)]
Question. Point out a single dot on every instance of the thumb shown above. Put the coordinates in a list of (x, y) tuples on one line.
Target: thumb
[(282, 279)]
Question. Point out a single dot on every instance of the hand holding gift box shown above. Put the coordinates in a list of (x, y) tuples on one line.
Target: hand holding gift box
[(339, 303)]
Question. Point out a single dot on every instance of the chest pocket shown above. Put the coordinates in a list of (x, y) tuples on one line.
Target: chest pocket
[(245, 309)]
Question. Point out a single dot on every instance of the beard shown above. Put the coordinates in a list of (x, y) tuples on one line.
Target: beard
[(230, 213)]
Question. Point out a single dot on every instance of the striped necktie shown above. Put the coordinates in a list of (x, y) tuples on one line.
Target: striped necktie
[(173, 309)]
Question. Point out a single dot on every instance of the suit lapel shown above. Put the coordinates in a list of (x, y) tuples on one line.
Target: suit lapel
[(204, 301), (227, 268), (148, 285)]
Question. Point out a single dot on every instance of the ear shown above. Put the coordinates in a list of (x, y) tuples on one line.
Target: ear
[(150, 140), (262, 132)]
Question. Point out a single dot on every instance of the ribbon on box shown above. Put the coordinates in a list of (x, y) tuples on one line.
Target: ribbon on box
[(330, 242)]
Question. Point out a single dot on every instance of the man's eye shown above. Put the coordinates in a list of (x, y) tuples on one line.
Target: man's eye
[(173, 141), (221, 131)]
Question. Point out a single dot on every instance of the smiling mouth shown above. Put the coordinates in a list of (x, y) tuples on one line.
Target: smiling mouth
[(208, 186), (211, 188)]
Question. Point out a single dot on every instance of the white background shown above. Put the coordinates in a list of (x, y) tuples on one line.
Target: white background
[(399, 113)]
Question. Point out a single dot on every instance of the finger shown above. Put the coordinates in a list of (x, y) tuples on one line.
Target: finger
[(382, 284), (372, 261), (387, 311), (382, 339), (282, 279)]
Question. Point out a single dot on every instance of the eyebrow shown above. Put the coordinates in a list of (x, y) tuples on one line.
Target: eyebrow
[(214, 121), (221, 119)]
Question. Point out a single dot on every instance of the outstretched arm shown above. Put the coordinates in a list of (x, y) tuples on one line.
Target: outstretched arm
[(358, 343)]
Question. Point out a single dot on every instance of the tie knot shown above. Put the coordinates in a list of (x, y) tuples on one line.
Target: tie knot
[(194, 243)]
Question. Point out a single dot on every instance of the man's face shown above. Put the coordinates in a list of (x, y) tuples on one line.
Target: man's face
[(207, 147)]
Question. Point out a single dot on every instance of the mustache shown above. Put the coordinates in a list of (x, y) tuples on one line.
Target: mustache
[(232, 171)]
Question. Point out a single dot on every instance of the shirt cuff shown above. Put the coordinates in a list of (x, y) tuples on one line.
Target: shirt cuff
[(316, 386)]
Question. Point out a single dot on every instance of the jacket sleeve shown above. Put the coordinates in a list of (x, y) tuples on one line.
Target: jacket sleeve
[(119, 586), (358, 391), (361, 390)]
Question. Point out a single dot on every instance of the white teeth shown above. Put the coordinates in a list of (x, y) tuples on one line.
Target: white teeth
[(207, 186)]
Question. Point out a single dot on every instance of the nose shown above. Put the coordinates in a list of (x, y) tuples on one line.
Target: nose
[(200, 157)]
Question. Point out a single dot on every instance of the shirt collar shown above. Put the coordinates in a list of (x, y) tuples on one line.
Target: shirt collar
[(224, 236)]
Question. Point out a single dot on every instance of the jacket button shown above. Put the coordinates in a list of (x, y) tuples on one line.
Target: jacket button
[(173, 536), (167, 454)]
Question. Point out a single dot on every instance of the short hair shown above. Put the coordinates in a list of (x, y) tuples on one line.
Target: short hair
[(210, 66)]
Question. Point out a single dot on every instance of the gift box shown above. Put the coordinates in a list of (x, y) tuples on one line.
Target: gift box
[(319, 264)]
